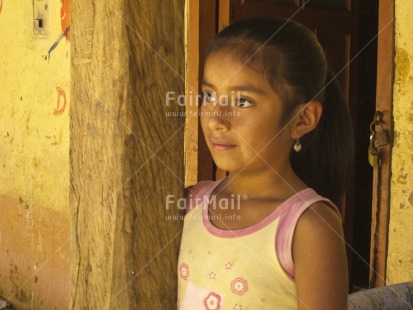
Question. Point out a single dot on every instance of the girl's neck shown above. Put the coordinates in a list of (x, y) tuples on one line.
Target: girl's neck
[(264, 184)]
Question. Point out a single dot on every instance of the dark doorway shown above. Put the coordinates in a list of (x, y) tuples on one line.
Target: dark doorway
[(367, 77)]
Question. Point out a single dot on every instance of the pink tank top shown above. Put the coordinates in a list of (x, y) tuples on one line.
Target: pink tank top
[(250, 268)]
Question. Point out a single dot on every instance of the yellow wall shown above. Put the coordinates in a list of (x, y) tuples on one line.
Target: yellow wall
[(34, 160), (400, 252)]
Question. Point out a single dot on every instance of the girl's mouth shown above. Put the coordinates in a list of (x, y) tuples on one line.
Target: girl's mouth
[(222, 146)]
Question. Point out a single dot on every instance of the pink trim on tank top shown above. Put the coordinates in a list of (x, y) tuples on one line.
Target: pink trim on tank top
[(198, 192), (224, 233), (289, 211), (286, 228)]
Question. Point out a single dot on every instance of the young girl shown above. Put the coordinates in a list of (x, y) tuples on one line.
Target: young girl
[(262, 238)]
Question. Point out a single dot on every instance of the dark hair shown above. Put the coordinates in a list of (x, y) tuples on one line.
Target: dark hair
[(294, 63)]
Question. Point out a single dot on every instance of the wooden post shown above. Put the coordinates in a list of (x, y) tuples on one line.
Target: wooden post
[(191, 91), (126, 153)]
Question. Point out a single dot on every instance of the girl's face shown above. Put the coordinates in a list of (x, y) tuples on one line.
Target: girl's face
[(240, 118)]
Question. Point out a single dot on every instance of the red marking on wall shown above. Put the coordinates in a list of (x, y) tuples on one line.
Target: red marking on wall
[(60, 94), (65, 17)]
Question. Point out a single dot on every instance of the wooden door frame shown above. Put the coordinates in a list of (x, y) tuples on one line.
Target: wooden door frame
[(381, 181), (192, 29), (382, 173), (200, 29)]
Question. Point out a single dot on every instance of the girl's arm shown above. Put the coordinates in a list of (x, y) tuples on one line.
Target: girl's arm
[(320, 260)]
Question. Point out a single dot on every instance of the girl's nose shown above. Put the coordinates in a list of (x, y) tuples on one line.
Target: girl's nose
[(218, 118)]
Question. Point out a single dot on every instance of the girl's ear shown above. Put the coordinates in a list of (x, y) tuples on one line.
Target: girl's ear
[(307, 116)]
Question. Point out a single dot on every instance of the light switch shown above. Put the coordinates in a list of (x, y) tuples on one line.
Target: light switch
[(41, 17)]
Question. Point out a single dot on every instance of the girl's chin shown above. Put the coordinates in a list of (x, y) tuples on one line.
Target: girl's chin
[(227, 166), (222, 165)]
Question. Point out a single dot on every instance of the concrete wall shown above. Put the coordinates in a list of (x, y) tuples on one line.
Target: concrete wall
[(34, 157), (400, 251)]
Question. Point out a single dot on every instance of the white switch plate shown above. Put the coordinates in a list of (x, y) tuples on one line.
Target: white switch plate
[(41, 17)]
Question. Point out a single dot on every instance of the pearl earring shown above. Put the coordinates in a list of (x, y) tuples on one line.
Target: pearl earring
[(297, 145)]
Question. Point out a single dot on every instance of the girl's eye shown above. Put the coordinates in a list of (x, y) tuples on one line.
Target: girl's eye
[(243, 103), (208, 96)]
